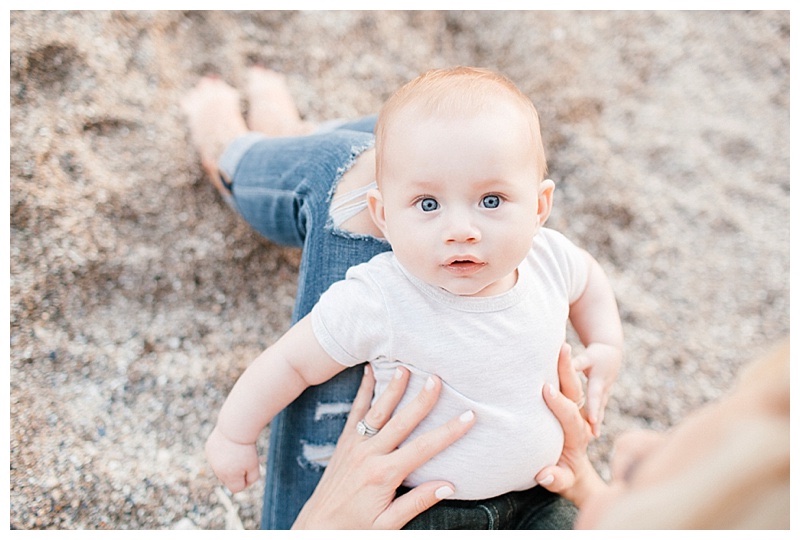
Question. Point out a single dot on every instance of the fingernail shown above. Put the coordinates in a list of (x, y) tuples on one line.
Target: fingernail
[(429, 384), (398, 373), (551, 389), (444, 492), (467, 416), (547, 480), (366, 369)]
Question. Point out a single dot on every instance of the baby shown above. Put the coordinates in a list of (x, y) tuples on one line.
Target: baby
[(475, 291)]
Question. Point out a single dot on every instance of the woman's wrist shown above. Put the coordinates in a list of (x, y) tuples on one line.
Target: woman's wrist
[(588, 483)]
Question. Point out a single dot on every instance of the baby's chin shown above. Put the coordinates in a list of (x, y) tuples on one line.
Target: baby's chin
[(480, 288), (469, 290)]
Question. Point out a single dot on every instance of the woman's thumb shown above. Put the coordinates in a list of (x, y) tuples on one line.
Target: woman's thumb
[(554, 479)]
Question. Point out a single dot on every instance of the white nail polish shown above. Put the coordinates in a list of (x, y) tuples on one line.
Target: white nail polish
[(467, 416), (547, 480), (398, 373), (551, 389), (429, 384), (443, 492)]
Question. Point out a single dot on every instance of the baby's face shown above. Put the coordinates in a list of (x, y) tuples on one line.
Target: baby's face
[(460, 200)]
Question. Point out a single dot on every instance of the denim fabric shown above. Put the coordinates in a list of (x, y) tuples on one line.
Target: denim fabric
[(533, 509), (282, 188)]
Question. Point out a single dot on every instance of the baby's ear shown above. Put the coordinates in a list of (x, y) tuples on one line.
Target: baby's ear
[(546, 189), (377, 211)]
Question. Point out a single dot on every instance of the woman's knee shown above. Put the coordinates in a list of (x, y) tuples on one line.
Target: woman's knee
[(354, 182)]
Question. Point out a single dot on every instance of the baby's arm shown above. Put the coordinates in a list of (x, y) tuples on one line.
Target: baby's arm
[(595, 318), (274, 379)]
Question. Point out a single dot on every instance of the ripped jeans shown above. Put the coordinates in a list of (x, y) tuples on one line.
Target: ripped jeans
[(282, 187)]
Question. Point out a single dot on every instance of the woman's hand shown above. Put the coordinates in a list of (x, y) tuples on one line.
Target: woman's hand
[(357, 489), (573, 477)]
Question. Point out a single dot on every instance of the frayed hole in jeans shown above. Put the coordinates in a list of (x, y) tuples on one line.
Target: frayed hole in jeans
[(332, 409), (315, 456)]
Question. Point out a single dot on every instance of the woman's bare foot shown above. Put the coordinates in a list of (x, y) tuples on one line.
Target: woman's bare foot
[(215, 120), (272, 109)]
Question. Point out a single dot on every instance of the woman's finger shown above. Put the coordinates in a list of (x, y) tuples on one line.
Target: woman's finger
[(406, 507), (568, 415), (397, 430), (361, 401), (422, 448), (555, 478), (384, 406)]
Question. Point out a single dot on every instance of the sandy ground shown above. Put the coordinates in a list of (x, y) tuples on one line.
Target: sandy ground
[(137, 297)]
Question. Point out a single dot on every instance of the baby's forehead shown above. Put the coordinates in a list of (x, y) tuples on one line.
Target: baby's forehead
[(413, 125), (455, 106), (476, 106)]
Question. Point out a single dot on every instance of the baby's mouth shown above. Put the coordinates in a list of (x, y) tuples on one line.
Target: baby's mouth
[(464, 266)]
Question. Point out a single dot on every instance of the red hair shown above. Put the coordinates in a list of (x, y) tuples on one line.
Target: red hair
[(457, 91)]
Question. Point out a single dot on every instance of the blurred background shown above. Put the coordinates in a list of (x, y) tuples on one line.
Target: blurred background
[(137, 297)]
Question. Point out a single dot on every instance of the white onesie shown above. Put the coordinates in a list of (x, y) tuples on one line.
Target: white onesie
[(493, 355)]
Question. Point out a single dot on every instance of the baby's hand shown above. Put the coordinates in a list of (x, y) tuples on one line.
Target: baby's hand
[(235, 464), (600, 363)]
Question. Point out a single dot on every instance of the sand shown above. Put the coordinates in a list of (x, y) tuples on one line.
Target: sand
[(137, 296)]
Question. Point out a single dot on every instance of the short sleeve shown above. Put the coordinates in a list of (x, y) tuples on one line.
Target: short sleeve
[(350, 320), (572, 262)]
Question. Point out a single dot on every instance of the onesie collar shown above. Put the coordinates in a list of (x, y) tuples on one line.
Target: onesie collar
[(476, 304)]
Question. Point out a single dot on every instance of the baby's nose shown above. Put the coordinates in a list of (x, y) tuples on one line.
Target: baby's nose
[(462, 230)]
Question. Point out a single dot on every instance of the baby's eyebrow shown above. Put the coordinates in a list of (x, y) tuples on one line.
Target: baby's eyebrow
[(423, 185), (490, 184)]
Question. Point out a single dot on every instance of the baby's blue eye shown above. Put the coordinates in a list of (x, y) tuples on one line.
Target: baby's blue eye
[(428, 205), (490, 201)]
